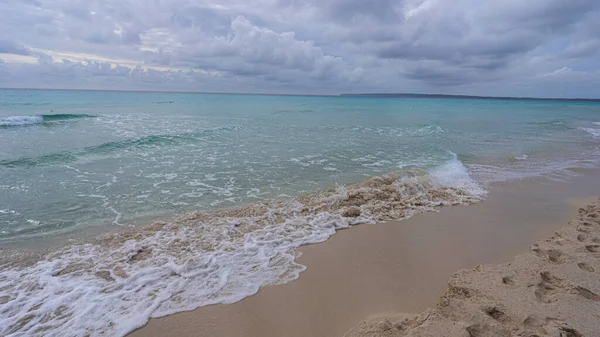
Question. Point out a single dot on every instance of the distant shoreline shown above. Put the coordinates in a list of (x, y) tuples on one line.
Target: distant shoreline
[(437, 96), (346, 95)]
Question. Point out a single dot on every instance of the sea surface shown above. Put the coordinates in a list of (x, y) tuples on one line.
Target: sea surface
[(232, 184)]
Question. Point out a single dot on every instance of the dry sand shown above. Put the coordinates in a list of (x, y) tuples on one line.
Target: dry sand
[(403, 267)]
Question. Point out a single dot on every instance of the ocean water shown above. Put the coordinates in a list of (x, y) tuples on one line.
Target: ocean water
[(237, 182)]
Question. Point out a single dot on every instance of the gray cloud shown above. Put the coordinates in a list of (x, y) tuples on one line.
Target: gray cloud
[(465, 35), (11, 47), (543, 16), (348, 11), (459, 46), (579, 50)]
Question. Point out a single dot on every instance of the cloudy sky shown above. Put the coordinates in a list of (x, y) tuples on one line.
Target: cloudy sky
[(481, 47)]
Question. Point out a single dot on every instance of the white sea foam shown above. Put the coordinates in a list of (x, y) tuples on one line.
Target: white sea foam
[(20, 120), (411, 131), (427, 130), (34, 222), (113, 285), (379, 163), (521, 157), (594, 132), (454, 173), (596, 123)]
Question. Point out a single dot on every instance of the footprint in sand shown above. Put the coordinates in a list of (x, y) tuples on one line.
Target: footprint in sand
[(536, 326), (569, 332), (497, 314), (593, 248), (484, 330), (553, 325), (553, 255), (582, 229), (508, 280), (549, 286), (588, 294), (586, 267)]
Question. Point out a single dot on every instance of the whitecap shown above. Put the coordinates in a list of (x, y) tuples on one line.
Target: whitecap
[(454, 173), (20, 120), (34, 222), (594, 132)]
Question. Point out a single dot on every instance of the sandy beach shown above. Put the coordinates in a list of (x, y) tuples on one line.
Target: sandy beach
[(552, 290), (398, 269)]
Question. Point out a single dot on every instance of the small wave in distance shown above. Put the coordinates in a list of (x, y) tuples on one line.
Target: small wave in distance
[(38, 119), (151, 141)]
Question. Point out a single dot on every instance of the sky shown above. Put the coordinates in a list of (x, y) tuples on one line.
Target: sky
[(536, 48)]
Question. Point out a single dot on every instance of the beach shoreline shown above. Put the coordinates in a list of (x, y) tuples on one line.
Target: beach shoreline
[(205, 257), (392, 267)]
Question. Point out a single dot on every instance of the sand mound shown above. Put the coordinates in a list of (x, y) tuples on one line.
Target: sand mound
[(553, 290)]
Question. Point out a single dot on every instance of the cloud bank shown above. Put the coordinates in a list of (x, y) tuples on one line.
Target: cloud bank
[(508, 47)]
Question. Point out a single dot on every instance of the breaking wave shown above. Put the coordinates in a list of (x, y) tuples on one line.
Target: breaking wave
[(152, 141), (555, 124), (594, 132), (113, 285), (552, 122), (38, 119)]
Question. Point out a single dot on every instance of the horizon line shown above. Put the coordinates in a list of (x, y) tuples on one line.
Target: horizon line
[(352, 95)]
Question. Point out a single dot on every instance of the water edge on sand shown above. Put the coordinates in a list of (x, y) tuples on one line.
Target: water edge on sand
[(392, 267)]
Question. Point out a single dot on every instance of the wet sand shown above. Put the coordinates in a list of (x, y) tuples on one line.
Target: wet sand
[(390, 268)]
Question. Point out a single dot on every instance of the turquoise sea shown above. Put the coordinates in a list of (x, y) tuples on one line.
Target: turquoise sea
[(72, 159), (251, 176)]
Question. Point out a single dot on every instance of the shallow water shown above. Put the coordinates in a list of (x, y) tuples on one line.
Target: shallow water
[(75, 159), (258, 176)]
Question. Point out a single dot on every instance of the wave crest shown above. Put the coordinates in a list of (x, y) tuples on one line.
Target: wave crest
[(38, 119), (594, 132), (151, 141), (203, 258), (20, 120), (555, 124)]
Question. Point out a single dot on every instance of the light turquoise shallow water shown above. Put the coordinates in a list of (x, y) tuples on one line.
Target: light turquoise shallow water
[(73, 159), (79, 162)]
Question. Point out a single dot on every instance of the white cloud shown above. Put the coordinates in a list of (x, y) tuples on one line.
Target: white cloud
[(13, 58)]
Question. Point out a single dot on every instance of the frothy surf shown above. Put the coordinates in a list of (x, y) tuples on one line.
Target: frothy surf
[(521, 157), (114, 284), (37, 119), (592, 131), (556, 124)]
